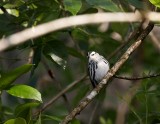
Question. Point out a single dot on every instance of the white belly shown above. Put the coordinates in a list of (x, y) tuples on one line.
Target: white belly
[(101, 71)]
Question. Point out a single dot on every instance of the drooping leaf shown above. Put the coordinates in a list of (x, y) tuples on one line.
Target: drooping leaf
[(16, 121), (58, 60), (73, 6), (104, 4), (26, 92), (155, 2), (8, 78)]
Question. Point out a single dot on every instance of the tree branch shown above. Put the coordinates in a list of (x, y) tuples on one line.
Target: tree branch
[(49, 103), (137, 78), (62, 23), (111, 72)]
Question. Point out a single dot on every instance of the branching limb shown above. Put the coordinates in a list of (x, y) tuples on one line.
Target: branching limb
[(111, 72)]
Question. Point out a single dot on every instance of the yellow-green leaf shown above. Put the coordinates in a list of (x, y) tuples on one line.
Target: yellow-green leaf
[(26, 92), (8, 78), (16, 121)]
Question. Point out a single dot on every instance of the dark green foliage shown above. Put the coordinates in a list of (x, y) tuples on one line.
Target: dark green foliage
[(59, 59)]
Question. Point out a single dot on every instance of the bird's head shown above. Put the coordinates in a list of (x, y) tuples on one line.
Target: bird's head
[(93, 56)]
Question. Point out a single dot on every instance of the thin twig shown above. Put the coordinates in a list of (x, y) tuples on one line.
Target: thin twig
[(137, 78), (49, 103), (111, 72), (133, 35)]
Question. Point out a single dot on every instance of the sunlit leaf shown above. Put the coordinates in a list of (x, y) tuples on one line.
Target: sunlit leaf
[(8, 78), (26, 92), (59, 60), (155, 2)]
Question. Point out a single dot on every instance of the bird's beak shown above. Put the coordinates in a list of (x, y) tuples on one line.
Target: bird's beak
[(88, 54)]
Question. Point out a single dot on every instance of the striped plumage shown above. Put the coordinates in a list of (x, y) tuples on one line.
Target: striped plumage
[(98, 67)]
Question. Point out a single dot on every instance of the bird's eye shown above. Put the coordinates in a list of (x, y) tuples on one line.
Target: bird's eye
[(92, 54)]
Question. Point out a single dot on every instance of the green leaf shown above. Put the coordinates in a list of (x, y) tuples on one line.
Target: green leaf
[(24, 109), (155, 2), (24, 91), (16, 121), (58, 60), (55, 118), (8, 78), (103, 121), (73, 6), (104, 4), (75, 121), (39, 120), (137, 3)]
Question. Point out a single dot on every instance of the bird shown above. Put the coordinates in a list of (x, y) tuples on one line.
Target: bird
[(98, 67)]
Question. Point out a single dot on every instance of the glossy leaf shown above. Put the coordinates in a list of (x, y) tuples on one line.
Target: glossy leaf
[(26, 92), (8, 78), (104, 4), (58, 60), (16, 121), (73, 6), (155, 2)]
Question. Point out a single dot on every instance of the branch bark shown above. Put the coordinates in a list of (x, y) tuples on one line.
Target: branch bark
[(62, 23), (137, 78), (111, 72)]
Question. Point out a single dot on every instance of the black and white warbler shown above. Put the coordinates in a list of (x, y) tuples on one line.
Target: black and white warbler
[(98, 67)]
